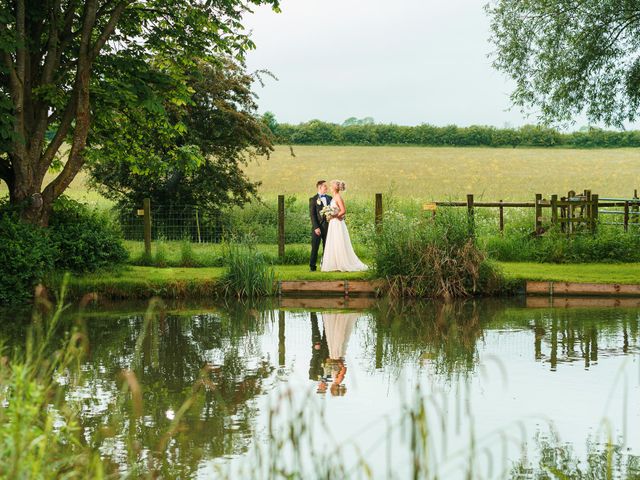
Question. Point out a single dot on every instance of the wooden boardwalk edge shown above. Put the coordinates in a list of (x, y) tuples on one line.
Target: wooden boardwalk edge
[(330, 288), (551, 289)]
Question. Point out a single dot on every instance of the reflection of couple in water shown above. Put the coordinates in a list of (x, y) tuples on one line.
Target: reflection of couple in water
[(328, 350)]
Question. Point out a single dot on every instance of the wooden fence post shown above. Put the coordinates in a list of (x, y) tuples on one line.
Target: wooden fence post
[(554, 209), (570, 212), (146, 206), (635, 208), (501, 217), (378, 212), (538, 204), (594, 212), (470, 215), (626, 216), (281, 226)]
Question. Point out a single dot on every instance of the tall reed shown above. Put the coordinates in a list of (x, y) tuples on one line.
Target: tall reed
[(248, 274), (435, 257)]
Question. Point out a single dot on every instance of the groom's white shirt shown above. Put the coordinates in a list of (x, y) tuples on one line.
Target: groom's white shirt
[(323, 199)]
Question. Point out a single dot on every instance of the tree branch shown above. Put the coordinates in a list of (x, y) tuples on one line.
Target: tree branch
[(61, 134), (109, 28), (82, 109)]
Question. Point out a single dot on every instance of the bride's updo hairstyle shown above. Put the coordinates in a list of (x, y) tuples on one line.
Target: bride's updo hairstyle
[(339, 185)]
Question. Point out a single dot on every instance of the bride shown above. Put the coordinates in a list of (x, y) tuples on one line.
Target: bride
[(338, 253)]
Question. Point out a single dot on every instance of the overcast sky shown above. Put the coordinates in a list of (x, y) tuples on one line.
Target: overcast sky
[(403, 61)]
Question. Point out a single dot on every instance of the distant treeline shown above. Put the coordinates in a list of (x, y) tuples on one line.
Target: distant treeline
[(317, 132)]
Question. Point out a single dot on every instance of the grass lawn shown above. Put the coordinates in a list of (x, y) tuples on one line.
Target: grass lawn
[(578, 272)]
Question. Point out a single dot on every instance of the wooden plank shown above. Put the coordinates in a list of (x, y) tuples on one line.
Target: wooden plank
[(313, 286), (538, 288), (570, 288), (327, 303), (363, 286), (581, 302)]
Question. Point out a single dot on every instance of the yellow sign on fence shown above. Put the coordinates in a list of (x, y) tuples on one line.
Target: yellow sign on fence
[(429, 207)]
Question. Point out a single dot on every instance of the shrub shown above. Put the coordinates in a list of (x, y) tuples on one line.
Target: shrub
[(87, 240), (432, 257), (25, 257)]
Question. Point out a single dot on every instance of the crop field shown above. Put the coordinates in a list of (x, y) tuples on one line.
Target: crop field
[(437, 173), (443, 173)]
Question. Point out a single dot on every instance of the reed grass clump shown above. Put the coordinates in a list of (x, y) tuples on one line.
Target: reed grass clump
[(436, 257), (249, 273)]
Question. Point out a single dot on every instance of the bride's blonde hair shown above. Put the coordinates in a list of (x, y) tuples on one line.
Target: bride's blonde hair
[(339, 185)]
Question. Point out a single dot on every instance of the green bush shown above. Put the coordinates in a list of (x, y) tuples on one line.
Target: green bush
[(78, 239), (432, 257), (27, 254), (86, 239)]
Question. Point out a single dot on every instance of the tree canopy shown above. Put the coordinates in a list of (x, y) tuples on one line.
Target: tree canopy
[(570, 56), (66, 66), (194, 157)]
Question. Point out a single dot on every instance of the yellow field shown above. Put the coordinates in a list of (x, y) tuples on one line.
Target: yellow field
[(441, 173), (438, 173)]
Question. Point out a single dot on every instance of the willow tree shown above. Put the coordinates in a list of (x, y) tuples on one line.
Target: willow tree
[(569, 57), (60, 59)]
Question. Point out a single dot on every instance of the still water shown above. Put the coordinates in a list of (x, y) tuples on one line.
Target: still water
[(479, 389)]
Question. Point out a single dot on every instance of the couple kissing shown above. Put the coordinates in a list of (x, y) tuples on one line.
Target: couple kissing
[(328, 225)]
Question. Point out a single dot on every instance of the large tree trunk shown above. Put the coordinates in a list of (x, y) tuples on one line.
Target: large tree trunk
[(30, 156)]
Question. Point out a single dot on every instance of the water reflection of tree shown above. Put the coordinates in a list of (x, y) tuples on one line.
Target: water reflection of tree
[(558, 460), (443, 335), (218, 349)]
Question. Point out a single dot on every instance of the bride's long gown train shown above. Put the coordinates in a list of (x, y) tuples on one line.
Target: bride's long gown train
[(338, 254)]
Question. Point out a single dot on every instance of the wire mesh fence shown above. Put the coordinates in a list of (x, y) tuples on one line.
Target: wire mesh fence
[(174, 222)]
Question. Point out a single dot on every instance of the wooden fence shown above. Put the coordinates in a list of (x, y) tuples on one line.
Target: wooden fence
[(573, 213)]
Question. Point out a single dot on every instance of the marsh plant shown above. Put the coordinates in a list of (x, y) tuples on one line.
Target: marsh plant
[(249, 273), (435, 257)]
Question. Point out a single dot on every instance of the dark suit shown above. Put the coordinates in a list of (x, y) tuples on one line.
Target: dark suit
[(317, 221)]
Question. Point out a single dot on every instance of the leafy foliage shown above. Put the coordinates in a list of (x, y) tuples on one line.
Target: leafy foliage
[(27, 253), (73, 71), (78, 240), (317, 132), (195, 157), (570, 57), (87, 240)]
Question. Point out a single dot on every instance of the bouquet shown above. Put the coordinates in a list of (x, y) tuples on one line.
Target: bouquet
[(329, 211)]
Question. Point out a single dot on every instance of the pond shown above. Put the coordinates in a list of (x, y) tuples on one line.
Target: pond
[(479, 389)]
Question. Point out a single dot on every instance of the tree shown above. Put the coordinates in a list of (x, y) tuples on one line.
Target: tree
[(193, 159), (61, 59), (568, 57)]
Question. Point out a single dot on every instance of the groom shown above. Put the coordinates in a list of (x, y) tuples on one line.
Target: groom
[(319, 222)]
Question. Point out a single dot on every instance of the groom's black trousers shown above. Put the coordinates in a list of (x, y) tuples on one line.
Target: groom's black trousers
[(315, 244)]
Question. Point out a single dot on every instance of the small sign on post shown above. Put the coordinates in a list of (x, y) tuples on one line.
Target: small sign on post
[(430, 207)]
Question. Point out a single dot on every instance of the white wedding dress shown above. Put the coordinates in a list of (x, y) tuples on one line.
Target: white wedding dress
[(338, 254), (338, 327)]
